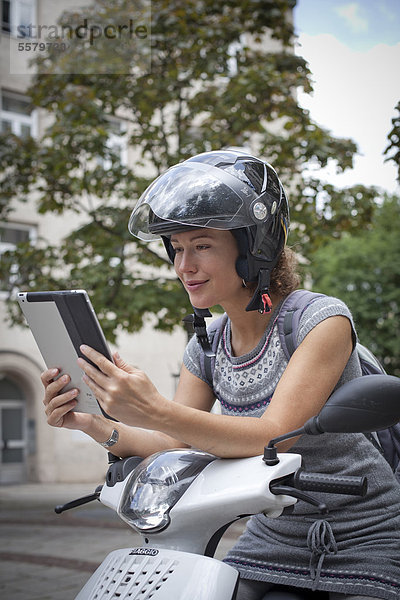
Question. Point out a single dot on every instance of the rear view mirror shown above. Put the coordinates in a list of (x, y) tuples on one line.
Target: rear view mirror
[(365, 404)]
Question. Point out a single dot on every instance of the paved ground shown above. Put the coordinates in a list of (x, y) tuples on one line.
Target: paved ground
[(45, 556)]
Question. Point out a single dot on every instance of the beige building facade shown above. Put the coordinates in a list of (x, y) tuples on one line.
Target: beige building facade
[(31, 450)]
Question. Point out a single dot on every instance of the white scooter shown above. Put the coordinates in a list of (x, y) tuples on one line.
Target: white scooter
[(182, 501)]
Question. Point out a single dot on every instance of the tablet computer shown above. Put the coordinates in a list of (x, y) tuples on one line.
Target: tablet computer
[(60, 322)]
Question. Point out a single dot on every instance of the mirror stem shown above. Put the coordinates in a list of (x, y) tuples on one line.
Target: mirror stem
[(270, 452)]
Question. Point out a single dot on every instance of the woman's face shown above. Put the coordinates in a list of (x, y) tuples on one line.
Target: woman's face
[(205, 263)]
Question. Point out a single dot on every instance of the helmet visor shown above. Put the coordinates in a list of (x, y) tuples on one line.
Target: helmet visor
[(191, 195)]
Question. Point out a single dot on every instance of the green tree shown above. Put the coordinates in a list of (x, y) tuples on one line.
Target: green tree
[(393, 149), (364, 271), (213, 83)]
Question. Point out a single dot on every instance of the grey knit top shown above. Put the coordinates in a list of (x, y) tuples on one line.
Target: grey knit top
[(355, 549)]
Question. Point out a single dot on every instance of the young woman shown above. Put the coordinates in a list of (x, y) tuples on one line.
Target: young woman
[(224, 218)]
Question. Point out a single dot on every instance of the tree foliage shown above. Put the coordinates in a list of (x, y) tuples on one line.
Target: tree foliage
[(215, 81), (364, 271), (393, 148)]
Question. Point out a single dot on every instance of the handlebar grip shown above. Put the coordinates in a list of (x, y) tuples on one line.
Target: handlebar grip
[(334, 484)]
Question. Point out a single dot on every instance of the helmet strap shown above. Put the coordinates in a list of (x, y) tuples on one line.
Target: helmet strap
[(198, 324), (261, 300)]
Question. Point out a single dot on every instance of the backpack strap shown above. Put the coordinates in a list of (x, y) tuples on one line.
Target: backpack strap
[(370, 365), (289, 318), (288, 323), (387, 441), (207, 361)]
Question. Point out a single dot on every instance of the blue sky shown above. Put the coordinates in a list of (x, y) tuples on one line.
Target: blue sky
[(360, 25), (353, 50)]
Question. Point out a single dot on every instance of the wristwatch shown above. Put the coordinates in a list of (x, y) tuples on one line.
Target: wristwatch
[(113, 439)]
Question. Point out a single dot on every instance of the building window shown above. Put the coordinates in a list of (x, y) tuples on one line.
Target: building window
[(16, 115), (6, 16), (12, 234), (18, 16)]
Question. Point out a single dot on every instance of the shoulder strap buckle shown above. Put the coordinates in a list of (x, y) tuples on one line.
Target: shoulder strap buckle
[(199, 327)]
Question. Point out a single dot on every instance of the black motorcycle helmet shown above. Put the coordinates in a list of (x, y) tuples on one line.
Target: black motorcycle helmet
[(224, 189)]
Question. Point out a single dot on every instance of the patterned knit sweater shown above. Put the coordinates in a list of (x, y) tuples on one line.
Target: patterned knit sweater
[(356, 548)]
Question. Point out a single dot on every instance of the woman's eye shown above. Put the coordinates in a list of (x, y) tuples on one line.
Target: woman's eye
[(178, 249)]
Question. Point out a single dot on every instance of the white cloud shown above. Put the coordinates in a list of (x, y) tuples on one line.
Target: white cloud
[(355, 94), (351, 14)]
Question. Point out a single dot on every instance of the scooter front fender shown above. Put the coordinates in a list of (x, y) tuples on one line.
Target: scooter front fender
[(156, 574)]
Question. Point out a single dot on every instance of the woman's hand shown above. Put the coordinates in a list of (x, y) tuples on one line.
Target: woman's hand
[(123, 391), (59, 405)]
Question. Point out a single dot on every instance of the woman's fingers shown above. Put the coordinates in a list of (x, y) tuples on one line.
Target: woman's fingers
[(58, 406), (97, 390), (105, 365), (60, 403), (123, 391), (56, 415), (48, 376), (54, 387), (60, 399), (92, 373)]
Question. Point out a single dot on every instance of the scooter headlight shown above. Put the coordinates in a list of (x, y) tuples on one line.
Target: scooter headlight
[(157, 484)]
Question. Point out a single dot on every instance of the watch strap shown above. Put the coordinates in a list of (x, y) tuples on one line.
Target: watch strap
[(113, 439)]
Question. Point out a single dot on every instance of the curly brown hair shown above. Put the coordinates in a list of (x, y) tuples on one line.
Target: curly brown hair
[(285, 277)]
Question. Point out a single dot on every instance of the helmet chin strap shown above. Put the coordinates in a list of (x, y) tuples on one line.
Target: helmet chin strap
[(261, 300), (197, 321)]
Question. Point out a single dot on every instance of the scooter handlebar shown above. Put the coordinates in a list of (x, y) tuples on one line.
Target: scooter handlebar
[(79, 501), (333, 484)]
